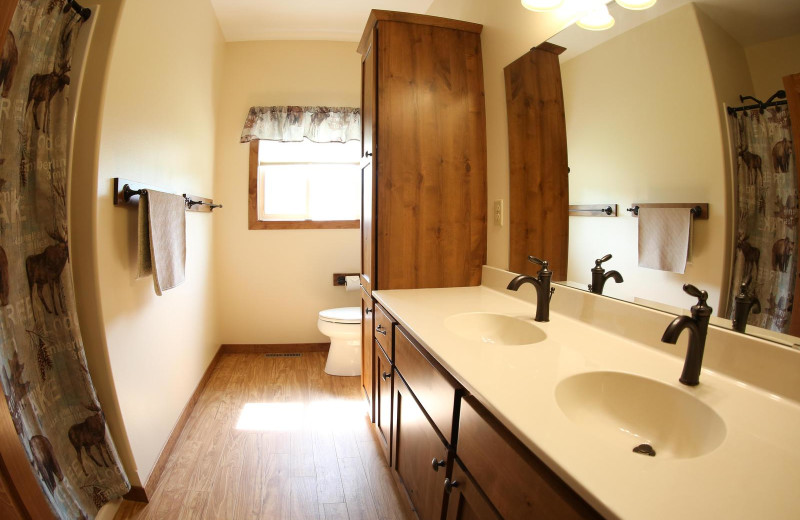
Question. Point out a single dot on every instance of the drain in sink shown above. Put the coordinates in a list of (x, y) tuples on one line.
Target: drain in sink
[(645, 449)]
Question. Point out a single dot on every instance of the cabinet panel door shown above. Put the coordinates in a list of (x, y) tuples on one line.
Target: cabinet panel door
[(367, 380), (368, 80), (466, 501), (383, 399), (416, 445), (367, 228)]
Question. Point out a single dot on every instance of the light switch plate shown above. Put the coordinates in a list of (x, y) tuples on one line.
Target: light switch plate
[(498, 212)]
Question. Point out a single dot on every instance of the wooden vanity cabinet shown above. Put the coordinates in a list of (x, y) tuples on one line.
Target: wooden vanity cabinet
[(383, 401), (420, 456), (518, 484), (367, 350), (465, 500)]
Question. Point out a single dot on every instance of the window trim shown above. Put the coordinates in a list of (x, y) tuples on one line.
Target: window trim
[(252, 210)]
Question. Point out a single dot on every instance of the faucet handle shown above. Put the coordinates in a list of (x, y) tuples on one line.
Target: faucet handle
[(544, 263), (701, 308), (601, 260)]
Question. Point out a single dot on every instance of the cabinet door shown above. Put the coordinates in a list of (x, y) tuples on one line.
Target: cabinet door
[(416, 447), (368, 84), (383, 400), (466, 501), (367, 228), (366, 350)]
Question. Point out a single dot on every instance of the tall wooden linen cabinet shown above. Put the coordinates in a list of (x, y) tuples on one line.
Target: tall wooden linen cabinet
[(423, 220)]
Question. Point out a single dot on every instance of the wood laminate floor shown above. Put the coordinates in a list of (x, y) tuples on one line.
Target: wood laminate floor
[(276, 438)]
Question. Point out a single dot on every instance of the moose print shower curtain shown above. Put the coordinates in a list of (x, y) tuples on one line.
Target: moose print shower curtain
[(42, 364), (766, 213)]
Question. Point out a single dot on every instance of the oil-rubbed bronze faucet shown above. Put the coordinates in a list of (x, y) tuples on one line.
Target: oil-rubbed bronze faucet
[(543, 290), (698, 328), (743, 302), (600, 276)]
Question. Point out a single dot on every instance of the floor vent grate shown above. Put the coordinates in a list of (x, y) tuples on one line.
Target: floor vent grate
[(283, 355)]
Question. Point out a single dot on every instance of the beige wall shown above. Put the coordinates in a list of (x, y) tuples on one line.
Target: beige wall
[(770, 61), (157, 126), (271, 284)]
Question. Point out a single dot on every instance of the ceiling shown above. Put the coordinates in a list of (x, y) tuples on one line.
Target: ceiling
[(748, 21), (339, 20)]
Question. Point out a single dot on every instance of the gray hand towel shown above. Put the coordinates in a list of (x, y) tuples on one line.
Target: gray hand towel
[(665, 238), (162, 239)]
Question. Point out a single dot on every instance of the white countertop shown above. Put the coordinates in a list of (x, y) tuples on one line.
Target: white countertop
[(753, 474)]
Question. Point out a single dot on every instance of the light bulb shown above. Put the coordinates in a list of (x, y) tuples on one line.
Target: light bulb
[(636, 5), (542, 5), (598, 19)]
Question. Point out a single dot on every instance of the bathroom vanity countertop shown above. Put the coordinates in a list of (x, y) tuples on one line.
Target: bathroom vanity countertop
[(753, 473)]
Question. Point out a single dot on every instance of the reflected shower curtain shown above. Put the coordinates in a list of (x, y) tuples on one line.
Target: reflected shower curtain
[(766, 200), (42, 363)]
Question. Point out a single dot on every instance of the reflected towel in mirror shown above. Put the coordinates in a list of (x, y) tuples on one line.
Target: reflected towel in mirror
[(665, 236)]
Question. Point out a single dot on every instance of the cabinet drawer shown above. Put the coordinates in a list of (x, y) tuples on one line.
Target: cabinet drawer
[(384, 331), (434, 390), (517, 483)]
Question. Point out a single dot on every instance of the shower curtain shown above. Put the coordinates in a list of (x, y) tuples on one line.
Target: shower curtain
[(42, 363), (766, 201)]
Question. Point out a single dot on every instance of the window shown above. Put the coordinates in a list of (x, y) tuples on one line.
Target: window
[(304, 185)]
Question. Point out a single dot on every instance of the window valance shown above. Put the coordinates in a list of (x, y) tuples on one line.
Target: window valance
[(294, 123)]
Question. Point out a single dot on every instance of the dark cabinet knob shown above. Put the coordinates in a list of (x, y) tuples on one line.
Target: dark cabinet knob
[(436, 464), (368, 154), (385, 376), (449, 485), (380, 330), (367, 311)]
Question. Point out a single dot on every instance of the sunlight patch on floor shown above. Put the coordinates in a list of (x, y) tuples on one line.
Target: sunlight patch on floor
[(328, 415)]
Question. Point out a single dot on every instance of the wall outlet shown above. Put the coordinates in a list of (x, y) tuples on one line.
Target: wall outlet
[(498, 212)]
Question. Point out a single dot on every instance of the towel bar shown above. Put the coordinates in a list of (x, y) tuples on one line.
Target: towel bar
[(127, 193), (593, 210), (698, 210)]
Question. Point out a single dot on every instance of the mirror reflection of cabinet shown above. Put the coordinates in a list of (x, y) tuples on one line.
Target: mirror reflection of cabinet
[(537, 149)]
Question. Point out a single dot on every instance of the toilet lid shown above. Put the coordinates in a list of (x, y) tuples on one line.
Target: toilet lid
[(341, 315)]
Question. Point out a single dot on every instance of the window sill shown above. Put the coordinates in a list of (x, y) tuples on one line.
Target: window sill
[(304, 224)]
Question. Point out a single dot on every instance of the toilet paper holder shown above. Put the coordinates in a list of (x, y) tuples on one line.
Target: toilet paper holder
[(339, 278)]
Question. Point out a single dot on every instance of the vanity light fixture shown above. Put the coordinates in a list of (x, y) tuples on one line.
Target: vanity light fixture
[(636, 5), (542, 5), (598, 19)]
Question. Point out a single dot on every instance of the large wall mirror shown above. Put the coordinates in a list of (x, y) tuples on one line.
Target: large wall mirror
[(645, 107)]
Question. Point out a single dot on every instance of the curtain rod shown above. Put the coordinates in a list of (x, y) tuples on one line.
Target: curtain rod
[(83, 12), (781, 94)]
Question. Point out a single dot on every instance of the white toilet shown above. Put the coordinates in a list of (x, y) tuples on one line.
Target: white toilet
[(343, 326)]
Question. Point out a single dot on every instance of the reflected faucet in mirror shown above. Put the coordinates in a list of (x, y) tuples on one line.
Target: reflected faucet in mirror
[(742, 305), (698, 328), (542, 284), (600, 276)]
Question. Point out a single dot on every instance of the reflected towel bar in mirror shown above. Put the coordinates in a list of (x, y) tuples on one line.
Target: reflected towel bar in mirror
[(593, 210), (699, 210)]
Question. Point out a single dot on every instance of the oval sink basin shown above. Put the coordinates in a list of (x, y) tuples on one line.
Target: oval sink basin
[(496, 329), (628, 410)]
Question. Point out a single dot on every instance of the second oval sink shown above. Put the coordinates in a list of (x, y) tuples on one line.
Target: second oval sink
[(630, 410), (496, 329)]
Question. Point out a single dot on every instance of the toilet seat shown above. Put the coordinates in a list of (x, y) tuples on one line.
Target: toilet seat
[(345, 315)]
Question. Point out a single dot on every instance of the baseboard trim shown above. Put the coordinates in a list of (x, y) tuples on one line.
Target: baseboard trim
[(275, 348), (158, 469), (136, 494)]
